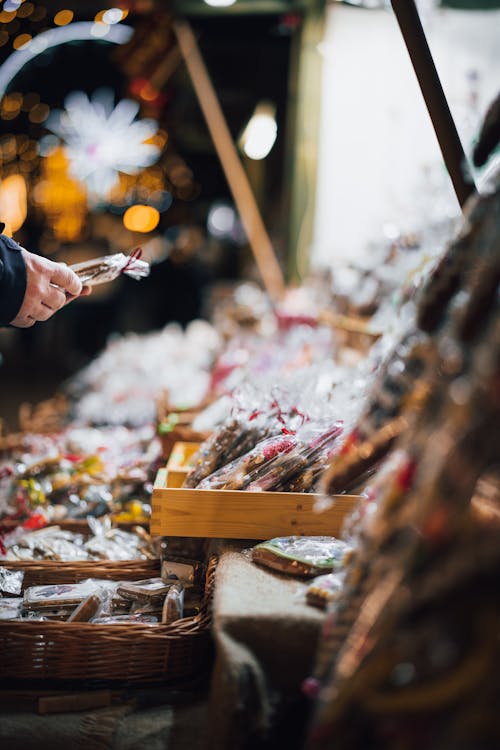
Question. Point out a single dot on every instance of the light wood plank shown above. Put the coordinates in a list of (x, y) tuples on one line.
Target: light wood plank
[(236, 514)]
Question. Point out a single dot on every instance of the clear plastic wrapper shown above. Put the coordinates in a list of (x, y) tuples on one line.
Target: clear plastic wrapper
[(237, 474), (87, 609), (10, 608), (312, 443), (11, 581), (109, 267), (188, 572), (82, 471), (65, 594), (236, 436), (134, 619), (301, 555), (257, 414), (53, 543), (213, 415), (146, 591), (122, 386), (325, 589), (173, 606)]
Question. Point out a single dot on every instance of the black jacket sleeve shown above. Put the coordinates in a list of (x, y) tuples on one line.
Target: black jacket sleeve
[(12, 279)]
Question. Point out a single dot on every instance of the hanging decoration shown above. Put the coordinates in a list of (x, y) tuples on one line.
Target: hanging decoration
[(101, 140)]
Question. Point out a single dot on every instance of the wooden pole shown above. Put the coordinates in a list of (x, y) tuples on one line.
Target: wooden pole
[(236, 176), (444, 126)]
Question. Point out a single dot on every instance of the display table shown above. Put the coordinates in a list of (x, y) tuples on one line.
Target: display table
[(265, 641), (156, 718), (265, 638)]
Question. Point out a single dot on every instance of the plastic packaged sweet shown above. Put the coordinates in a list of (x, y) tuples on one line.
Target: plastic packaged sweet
[(180, 569), (235, 437), (64, 594), (11, 581), (10, 608), (134, 619), (148, 590), (237, 474), (82, 471), (313, 441), (109, 267), (87, 609), (325, 589), (124, 383), (173, 606), (303, 556), (106, 542)]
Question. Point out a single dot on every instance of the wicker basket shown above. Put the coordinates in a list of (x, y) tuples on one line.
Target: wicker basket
[(124, 654), (46, 572)]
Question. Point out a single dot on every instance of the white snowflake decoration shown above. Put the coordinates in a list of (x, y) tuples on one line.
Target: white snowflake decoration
[(102, 140)]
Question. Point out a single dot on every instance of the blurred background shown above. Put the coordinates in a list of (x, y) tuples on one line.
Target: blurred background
[(105, 147)]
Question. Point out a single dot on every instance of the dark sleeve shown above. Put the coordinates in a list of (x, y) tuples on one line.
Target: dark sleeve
[(12, 279)]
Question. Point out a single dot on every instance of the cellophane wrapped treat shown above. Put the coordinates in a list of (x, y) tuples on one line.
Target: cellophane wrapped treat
[(314, 443), (105, 542), (253, 418), (109, 267), (303, 556), (237, 474), (81, 471)]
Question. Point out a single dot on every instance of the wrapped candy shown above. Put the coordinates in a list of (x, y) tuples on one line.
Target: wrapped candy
[(301, 555), (312, 442), (109, 267), (237, 474)]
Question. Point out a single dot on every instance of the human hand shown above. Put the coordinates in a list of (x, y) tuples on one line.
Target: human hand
[(49, 286)]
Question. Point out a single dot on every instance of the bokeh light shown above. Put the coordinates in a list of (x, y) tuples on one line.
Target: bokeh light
[(39, 113), (11, 105), (63, 17), (113, 15), (99, 30), (140, 218), (21, 40), (220, 3), (6, 16), (25, 10), (13, 202), (221, 220)]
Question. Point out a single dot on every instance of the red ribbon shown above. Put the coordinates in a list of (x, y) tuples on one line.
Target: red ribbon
[(134, 255)]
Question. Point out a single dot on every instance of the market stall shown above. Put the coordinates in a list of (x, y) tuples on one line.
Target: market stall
[(272, 517)]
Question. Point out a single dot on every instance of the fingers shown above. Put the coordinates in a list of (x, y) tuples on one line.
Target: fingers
[(23, 321), (54, 298), (49, 286), (86, 290), (66, 278)]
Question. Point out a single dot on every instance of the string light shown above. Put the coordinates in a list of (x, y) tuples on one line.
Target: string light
[(260, 133), (117, 34)]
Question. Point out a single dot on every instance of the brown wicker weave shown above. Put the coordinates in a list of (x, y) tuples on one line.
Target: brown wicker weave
[(117, 653)]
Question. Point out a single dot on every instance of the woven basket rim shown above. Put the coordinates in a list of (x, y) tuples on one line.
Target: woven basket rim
[(77, 564), (202, 618)]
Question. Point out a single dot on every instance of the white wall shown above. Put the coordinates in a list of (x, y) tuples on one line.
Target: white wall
[(379, 160)]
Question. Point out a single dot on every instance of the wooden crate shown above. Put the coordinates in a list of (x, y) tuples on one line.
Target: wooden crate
[(236, 514), (179, 462)]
